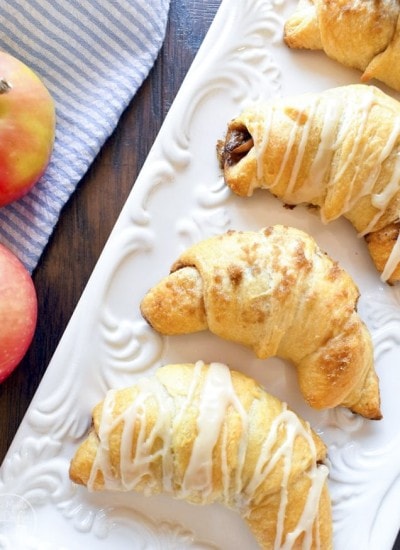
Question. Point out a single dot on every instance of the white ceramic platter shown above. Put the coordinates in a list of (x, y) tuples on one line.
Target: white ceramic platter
[(180, 198)]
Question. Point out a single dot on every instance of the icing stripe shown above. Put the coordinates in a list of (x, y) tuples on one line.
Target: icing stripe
[(146, 441)]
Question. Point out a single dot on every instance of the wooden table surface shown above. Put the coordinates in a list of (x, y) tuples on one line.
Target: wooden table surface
[(91, 212)]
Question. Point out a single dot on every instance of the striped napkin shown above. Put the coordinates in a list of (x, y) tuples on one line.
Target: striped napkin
[(92, 55)]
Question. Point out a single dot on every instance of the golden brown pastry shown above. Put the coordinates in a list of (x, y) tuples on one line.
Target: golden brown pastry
[(338, 150), (276, 292), (206, 434), (363, 34)]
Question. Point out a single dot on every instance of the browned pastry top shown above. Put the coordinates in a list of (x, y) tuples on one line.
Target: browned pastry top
[(276, 292)]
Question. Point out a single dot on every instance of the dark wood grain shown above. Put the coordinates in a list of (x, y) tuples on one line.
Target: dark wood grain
[(90, 214)]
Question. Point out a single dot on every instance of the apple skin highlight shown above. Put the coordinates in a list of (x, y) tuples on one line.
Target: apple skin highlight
[(27, 128), (18, 311)]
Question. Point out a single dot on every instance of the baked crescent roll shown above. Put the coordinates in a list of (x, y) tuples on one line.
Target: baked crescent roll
[(206, 434), (276, 292), (361, 34), (338, 150)]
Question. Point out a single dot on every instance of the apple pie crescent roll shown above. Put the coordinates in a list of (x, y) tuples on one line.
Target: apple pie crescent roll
[(363, 34), (277, 293), (338, 150), (206, 434)]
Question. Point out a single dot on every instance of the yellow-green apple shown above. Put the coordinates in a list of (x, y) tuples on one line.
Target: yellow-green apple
[(27, 128), (18, 311)]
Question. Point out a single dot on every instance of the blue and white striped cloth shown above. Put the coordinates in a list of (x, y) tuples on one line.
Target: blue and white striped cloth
[(92, 55)]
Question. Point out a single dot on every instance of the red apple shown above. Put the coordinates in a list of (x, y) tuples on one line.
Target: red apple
[(18, 311), (27, 128)]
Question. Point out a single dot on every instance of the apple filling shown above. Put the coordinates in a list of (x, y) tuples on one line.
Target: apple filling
[(237, 144)]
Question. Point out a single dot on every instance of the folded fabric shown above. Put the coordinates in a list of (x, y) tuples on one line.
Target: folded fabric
[(93, 56)]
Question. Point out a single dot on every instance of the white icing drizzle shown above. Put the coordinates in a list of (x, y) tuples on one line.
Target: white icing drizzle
[(392, 261), (224, 464), (101, 463), (217, 394), (310, 511), (363, 111), (135, 468), (212, 393), (191, 392), (302, 147), (323, 156), (289, 146), (261, 142), (332, 135), (268, 460), (382, 199)]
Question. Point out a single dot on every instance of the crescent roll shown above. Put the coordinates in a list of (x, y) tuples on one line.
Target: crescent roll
[(206, 434), (338, 150), (361, 34), (277, 293)]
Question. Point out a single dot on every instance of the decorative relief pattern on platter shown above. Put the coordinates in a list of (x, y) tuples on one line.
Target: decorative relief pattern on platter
[(179, 199)]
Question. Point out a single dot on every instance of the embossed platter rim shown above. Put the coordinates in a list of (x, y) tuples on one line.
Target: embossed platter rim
[(181, 172)]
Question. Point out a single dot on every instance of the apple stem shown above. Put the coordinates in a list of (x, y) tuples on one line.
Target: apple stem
[(4, 86)]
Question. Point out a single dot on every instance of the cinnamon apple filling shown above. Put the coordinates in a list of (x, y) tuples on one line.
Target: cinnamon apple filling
[(237, 144)]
